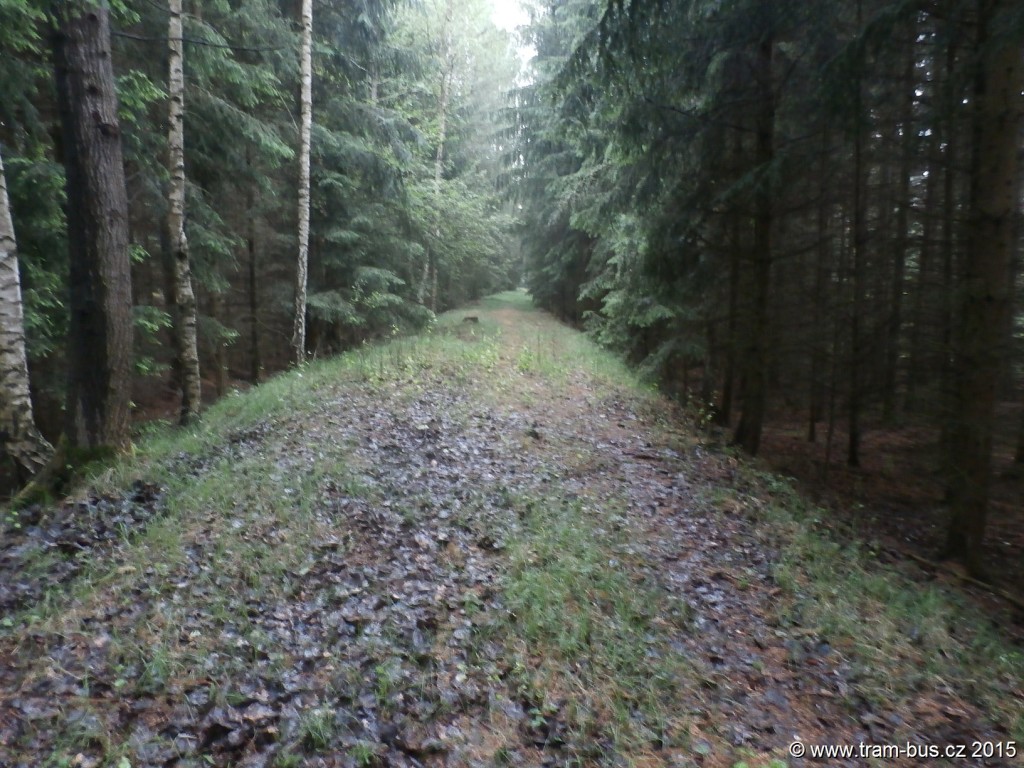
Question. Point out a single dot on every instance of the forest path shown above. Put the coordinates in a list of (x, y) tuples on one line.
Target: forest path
[(484, 547)]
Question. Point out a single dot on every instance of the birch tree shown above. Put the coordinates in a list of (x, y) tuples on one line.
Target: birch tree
[(302, 270), (21, 440), (186, 346)]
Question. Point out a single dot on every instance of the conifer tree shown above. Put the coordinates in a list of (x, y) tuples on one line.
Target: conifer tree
[(100, 297), (981, 343)]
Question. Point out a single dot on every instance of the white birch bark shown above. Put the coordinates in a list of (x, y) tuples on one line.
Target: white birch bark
[(302, 270), (21, 439), (186, 343)]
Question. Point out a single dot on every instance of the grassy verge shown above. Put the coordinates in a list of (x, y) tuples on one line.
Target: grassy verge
[(904, 637)]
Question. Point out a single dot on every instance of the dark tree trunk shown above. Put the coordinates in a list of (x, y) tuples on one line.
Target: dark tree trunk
[(724, 416), (947, 298), (100, 332), (255, 358), (708, 366), (986, 291), (218, 345), (900, 244), (755, 362), (919, 357), (857, 358), (819, 302), (1019, 455), (947, 301)]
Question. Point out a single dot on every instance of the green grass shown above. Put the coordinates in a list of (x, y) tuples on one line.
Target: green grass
[(586, 641), (317, 730), (903, 637)]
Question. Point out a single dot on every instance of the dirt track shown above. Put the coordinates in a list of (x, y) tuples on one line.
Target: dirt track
[(388, 642)]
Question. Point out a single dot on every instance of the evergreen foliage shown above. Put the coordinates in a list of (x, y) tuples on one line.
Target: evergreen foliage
[(768, 205), (376, 210)]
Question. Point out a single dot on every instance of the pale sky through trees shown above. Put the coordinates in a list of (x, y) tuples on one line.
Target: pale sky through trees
[(508, 14)]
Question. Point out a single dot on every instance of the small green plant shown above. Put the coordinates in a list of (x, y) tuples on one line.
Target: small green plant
[(364, 753), (287, 759), (316, 731), (157, 664), (386, 676), (527, 361)]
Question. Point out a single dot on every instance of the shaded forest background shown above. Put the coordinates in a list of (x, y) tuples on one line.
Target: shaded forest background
[(391, 197), (803, 219), (787, 213)]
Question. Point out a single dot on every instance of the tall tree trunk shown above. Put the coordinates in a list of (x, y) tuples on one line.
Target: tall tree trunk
[(421, 289), (755, 360), (429, 281), (986, 291), (255, 356), (302, 268), (842, 271), (947, 299), (1018, 457), (185, 338), (709, 361), (900, 243), (857, 357), (818, 313), (219, 345), (21, 439), (724, 417), (919, 355), (100, 297)]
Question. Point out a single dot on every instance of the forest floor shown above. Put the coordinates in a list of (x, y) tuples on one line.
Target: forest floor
[(896, 497), (485, 546)]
